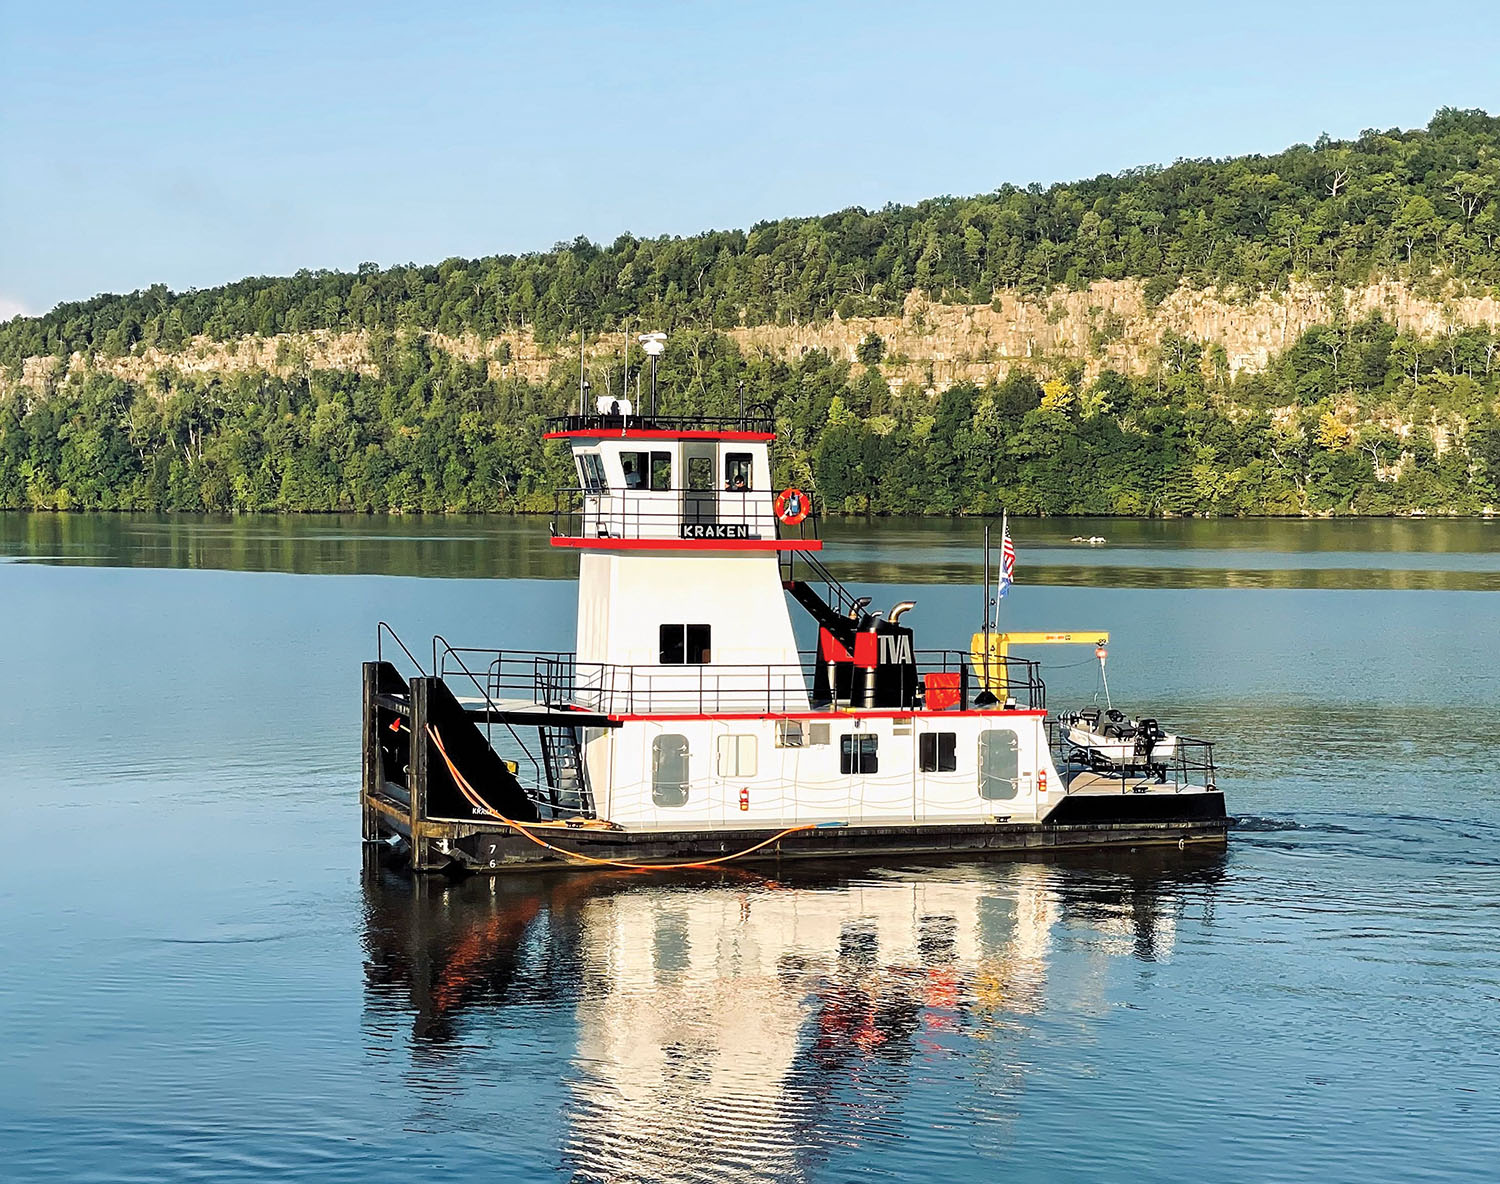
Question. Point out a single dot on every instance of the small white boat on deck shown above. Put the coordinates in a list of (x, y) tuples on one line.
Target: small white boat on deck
[(1108, 741)]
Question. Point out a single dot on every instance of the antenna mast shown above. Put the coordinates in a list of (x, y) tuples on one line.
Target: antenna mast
[(655, 344), (984, 677)]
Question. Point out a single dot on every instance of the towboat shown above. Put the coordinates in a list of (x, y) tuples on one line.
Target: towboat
[(689, 727)]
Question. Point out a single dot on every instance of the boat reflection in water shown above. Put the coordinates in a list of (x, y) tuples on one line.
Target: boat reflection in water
[(741, 1026)]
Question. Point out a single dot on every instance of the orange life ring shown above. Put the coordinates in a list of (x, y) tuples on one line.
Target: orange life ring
[(792, 506)]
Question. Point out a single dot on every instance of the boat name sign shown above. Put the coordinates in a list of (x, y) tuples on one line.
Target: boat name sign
[(715, 530)]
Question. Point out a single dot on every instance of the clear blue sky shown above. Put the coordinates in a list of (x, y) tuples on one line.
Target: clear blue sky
[(190, 144)]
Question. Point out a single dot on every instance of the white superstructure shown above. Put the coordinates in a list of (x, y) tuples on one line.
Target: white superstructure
[(685, 640)]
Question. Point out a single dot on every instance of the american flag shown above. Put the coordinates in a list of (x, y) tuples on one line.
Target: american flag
[(1007, 560)]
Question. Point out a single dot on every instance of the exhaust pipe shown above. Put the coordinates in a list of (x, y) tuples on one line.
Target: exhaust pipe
[(897, 609)]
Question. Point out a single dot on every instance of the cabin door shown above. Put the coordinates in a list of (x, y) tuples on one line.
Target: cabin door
[(698, 497)]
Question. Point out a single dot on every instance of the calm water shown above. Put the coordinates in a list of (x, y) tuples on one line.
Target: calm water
[(197, 983)]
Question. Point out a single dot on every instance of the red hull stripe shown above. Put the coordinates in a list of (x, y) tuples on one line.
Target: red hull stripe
[(657, 434), (730, 717), (690, 544)]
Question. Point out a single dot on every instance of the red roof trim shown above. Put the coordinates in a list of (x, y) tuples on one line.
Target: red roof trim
[(832, 715), (658, 434), (689, 544)]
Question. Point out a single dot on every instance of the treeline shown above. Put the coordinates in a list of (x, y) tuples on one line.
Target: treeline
[(1420, 202), (1352, 419)]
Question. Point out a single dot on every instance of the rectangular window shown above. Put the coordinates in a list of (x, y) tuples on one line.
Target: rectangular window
[(690, 645), (937, 752), (700, 473), (789, 733), (737, 467), (647, 470), (669, 770), (737, 756), (999, 765), (817, 734), (859, 754), (673, 645), (591, 470)]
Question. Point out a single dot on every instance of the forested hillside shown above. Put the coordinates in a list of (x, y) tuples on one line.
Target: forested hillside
[(121, 401)]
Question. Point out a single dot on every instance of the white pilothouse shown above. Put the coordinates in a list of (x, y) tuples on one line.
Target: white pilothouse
[(688, 724)]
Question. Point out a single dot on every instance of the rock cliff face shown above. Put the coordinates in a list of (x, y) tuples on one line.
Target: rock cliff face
[(1108, 325)]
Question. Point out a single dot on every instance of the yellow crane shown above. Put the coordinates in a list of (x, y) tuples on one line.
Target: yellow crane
[(991, 665)]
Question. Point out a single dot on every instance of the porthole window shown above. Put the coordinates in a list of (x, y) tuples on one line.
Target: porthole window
[(999, 765), (669, 770)]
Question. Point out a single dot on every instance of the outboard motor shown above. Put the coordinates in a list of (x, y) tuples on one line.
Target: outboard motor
[(1149, 733)]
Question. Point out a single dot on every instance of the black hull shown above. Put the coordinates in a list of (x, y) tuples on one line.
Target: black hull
[(485, 848)]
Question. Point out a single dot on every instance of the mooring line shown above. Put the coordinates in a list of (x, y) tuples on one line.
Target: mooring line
[(472, 795)]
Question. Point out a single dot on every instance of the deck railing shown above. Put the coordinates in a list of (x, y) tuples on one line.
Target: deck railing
[(558, 679), (1190, 764), (672, 512), (601, 421)]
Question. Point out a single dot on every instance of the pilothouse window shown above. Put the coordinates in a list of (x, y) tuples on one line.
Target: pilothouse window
[(737, 471), (686, 645), (644, 470), (591, 471)]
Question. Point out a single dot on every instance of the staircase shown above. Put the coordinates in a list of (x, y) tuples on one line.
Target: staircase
[(837, 609), (562, 761)]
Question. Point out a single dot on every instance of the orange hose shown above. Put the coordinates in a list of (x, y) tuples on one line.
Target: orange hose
[(473, 798)]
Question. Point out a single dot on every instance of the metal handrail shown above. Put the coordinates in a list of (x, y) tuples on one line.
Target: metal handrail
[(603, 421), (381, 629), (439, 666), (674, 511), (557, 678), (1189, 756), (839, 596)]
